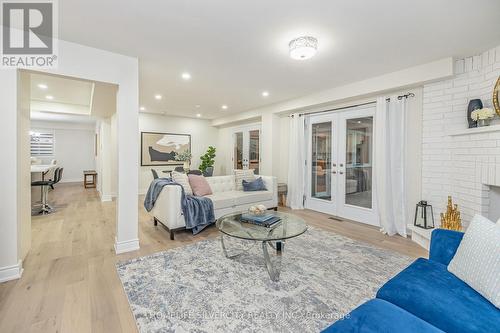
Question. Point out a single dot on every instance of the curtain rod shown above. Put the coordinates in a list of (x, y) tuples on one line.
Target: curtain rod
[(400, 97)]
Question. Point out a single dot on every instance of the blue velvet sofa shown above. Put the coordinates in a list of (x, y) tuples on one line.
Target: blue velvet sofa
[(425, 297)]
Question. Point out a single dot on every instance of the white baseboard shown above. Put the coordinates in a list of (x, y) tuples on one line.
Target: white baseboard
[(126, 246), (74, 180), (14, 272), (106, 197)]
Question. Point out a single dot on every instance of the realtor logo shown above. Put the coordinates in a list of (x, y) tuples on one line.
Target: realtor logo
[(29, 34)]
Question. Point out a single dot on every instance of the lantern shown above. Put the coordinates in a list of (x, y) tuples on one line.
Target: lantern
[(424, 216)]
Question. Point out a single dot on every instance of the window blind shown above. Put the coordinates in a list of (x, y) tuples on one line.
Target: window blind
[(42, 144)]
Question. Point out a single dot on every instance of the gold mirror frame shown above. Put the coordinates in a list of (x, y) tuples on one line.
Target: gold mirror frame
[(496, 92)]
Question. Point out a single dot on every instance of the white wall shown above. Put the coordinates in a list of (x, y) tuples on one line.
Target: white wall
[(73, 147), (460, 165), (203, 134), (23, 162)]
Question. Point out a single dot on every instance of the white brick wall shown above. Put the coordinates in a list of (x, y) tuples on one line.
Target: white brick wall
[(460, 166)]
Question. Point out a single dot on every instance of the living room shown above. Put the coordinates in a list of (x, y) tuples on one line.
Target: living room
[(288, 167)]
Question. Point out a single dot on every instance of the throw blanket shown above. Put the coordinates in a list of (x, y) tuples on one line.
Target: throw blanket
[(198, 211)]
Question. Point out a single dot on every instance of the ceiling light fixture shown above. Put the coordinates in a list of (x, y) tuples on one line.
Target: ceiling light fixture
[(42, 86), (142, 108), (224, 107), (265, 93), (303, 48), (49, 97), (198, 115), (186, 76), (158, 96)]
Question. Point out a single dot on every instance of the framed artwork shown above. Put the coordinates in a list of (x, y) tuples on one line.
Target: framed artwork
[(161, 148)]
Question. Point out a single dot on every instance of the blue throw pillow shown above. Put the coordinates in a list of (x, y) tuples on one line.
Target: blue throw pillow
[(256, 185)]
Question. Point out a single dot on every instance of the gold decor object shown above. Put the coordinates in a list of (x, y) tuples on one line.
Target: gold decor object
[(496, 96), (451, 219)]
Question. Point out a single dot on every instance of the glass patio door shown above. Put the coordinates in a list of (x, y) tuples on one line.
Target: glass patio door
[(246, 148), (341, 164), (321, 194)]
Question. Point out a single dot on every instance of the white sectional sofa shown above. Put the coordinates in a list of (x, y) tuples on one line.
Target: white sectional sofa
[(226, 199)]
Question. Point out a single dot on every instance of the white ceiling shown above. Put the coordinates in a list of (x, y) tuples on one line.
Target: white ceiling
[(234, 50), (68, 95), (73, 100)]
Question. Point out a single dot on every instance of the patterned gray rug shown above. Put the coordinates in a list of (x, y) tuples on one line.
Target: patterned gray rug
[(197, 289)]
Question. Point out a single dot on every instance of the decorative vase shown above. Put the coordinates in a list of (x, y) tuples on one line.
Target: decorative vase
[(483, 122), (474, 104)]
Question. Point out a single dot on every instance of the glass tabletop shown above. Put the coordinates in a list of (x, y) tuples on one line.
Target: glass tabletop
[(288, 227)]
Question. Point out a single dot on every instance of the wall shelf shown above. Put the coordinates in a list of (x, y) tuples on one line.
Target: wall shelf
[(476, 130)]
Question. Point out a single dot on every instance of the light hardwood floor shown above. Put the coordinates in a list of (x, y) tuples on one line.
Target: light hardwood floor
[(70, 283)]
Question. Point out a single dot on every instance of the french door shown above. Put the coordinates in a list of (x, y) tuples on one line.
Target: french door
[(246, 148), (340, 164)]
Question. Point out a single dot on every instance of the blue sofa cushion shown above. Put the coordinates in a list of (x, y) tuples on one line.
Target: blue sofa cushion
[(444, 245), (377, 316), (255, 185), (427, 290)]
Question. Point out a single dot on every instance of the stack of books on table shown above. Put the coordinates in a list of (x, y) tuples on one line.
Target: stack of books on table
[(265, 220)]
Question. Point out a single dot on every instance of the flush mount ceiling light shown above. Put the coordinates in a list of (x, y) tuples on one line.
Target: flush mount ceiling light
[(42, 86), (186, 76), (158, 96), (303, 48)]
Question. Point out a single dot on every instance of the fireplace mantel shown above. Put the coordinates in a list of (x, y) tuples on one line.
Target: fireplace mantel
[(476, 130)]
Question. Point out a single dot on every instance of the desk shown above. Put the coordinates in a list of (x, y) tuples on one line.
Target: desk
[(42, 168)]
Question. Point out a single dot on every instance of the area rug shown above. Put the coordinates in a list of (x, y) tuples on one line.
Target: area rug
[(195, 288)]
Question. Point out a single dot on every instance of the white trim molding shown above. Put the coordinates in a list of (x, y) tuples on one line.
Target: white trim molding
[(126, 246), (13, 272)]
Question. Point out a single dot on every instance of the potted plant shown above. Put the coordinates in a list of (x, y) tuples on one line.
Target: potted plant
[(207, 162), (185, 157), (483, 116)]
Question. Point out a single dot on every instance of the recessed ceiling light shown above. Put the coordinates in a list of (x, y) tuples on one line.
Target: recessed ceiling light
[(43, 86), (198, 115), (265, 93), (142, 108), (158, 96), (49, 97), (303, 48), (224, 107), (186, 76)]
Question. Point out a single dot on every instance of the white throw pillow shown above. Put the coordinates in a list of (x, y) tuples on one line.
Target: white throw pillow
[(241, 175), (477, 261), (182, 179)]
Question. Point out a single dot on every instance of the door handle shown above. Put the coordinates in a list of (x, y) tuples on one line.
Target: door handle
[(341, 172), (341, 165), (334, 172), (334, 165)]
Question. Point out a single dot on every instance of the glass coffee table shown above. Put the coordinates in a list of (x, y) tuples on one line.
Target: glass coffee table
[(290, 226)]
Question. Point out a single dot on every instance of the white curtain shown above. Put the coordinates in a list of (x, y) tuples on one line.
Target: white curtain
[(390, 142), (296, 163)]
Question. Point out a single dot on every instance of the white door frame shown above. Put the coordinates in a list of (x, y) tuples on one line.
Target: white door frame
[(321, 205), (337, 168)]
